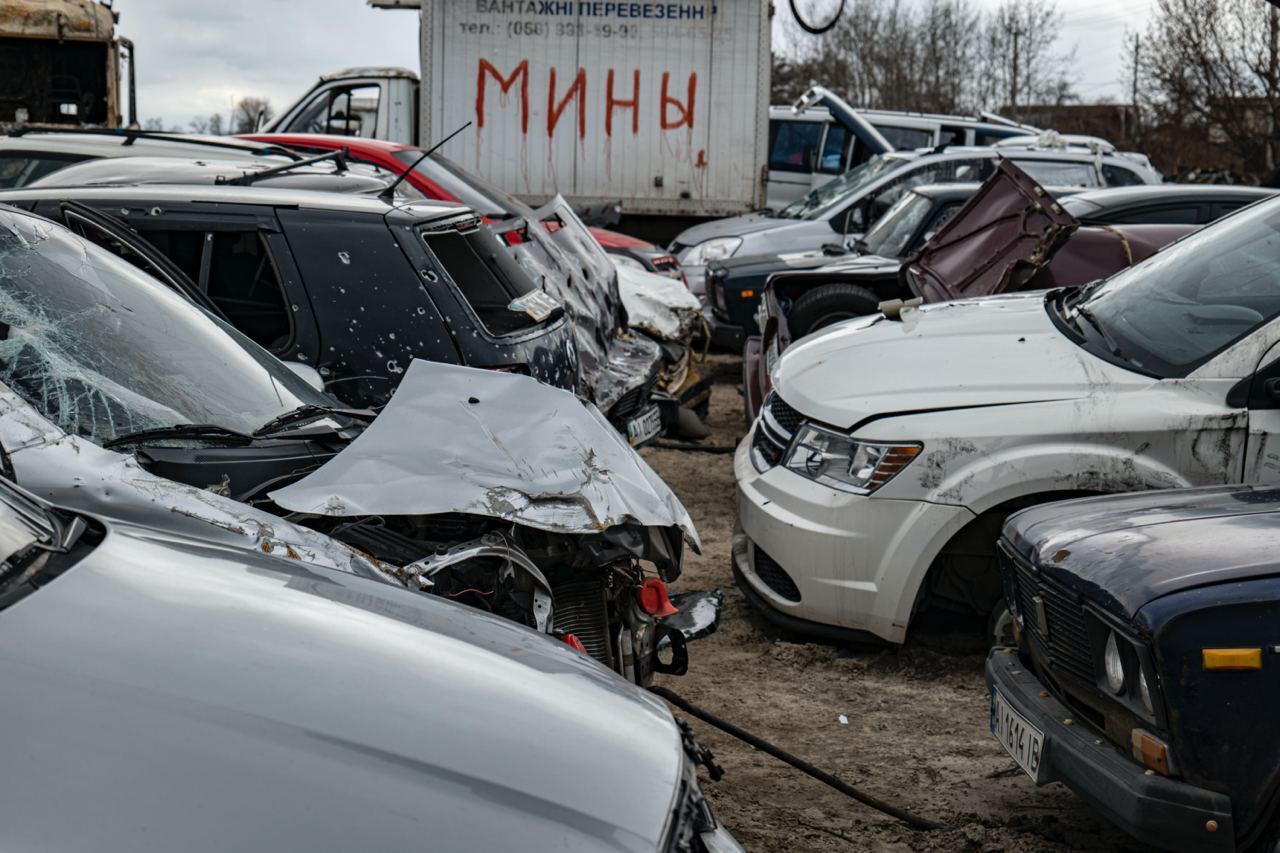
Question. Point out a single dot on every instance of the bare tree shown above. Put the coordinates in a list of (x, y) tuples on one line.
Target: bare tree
[(1209, 77), (251, 111), (213, 125), (1019, 64), (932, 55)]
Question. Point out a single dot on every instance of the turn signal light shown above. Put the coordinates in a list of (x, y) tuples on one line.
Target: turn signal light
[(747, 294), (1232, 658), (652, 598), (1152, 753)]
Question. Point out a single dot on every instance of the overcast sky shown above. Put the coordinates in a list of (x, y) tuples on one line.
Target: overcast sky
[(196, 57)]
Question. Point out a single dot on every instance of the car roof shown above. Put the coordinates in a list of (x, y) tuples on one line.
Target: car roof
[(135, 171), (328, 140), (1110, 196), (251, 195)]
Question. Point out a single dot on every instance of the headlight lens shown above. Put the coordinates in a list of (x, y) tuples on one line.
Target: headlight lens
[(844, 463), (1144, 693), (715, 249), (1113, 665)]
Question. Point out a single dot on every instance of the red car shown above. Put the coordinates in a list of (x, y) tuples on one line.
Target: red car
[(441, 179)]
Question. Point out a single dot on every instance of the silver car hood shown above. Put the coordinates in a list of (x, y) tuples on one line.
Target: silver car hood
[(658, 305), (189, 696), (75, 472), (500, 445)]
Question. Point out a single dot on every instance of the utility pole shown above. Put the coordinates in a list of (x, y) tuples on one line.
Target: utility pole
[(1013, 76), (1137, 64)]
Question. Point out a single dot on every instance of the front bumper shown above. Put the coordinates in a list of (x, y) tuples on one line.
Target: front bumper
[(723, 332), (835, 558), (1155, 809)]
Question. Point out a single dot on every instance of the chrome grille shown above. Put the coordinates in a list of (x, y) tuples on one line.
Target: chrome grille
[(775, 426), (1063, 638)]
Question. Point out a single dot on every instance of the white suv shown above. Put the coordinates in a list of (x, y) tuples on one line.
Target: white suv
[(875, 481)]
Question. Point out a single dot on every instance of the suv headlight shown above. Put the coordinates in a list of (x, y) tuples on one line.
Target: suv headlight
[(715, 249), (845, 463)]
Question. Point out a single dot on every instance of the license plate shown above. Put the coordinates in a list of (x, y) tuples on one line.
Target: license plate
[(1023, 741), (644, 426)]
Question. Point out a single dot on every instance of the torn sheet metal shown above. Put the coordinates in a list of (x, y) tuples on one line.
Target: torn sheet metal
[(558, 251), (698, 613), (458, 439), (74, 472), (658, 305)]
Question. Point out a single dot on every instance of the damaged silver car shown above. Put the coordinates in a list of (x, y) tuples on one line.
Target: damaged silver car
[(121, 397), (171, 693)]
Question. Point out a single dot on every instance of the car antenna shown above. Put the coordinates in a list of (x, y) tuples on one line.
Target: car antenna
[(389, 191)]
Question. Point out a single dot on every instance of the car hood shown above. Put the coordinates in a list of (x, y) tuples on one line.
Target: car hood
[(516, 450), (210, 699), (733, 226), (75, 472), (658, 305), (979, 352), (1124, 551)]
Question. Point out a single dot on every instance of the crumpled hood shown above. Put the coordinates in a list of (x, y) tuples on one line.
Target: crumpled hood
[(658, 305), (74, 472), (1124, 551), (978, 352), (500, 445), (211, 699), (733, 226)]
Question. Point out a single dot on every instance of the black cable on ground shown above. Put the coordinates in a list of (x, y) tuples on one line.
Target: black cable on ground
[(819, 30), (798, 763), (688, 445)]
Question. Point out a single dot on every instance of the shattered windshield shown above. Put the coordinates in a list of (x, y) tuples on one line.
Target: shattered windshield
[(473, 191), (889, 237), (831, 194), (1174, 311), (102, 350)]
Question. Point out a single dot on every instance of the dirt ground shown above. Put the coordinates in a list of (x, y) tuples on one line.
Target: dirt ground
[(917, 732)]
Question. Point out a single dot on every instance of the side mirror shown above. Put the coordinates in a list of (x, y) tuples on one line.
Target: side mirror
[(307, 374)]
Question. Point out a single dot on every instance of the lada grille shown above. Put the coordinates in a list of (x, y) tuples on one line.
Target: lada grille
[(774, 428), (1052, 617)]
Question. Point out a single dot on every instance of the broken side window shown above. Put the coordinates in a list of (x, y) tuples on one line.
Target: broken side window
[(487, 276), (242, 281), (184, 248)]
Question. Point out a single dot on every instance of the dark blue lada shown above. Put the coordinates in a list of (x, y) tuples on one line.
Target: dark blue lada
[(1146, 670)]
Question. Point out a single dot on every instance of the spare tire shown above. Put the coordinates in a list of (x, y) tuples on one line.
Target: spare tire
[(828, 304)]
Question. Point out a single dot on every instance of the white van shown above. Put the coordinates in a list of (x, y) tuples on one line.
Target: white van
[(821, 136)]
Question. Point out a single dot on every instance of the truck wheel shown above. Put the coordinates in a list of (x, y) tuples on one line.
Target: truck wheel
[(828, 304)]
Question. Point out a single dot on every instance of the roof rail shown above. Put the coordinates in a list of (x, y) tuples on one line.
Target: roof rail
[(131, 135)]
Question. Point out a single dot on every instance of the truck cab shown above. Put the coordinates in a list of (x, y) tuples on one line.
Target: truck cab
[(372, 103), (62, 65)]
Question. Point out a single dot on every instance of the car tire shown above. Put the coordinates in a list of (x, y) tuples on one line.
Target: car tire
[(830, 303)]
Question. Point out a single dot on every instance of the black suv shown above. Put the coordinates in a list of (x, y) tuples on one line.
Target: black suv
[(355, 286)]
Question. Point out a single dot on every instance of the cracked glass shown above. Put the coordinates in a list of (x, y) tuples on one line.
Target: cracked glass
[(101, 349)]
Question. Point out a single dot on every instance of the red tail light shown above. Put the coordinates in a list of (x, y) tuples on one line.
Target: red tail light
[(574, 642)]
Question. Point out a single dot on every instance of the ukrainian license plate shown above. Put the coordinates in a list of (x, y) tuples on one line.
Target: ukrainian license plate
[(1023, 741), (644, 426)]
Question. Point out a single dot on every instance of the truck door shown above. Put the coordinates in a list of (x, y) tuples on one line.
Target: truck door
[(341, 108), (794, 144)]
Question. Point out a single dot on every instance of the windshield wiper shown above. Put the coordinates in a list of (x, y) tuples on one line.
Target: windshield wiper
[(309, 412), (204, 432), (1112, 346)]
